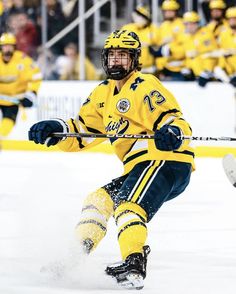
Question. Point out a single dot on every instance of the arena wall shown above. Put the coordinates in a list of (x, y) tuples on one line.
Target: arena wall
[(210, 111)]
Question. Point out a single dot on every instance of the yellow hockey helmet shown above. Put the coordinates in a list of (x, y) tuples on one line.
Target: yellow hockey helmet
[(217, 4), (143, 11), (170, 5), (191, 16), (231, 12), (7, 39), (122, 39)]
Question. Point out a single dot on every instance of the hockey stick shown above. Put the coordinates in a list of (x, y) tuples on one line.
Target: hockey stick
[(136, 136), (229, 166), (10, 99)]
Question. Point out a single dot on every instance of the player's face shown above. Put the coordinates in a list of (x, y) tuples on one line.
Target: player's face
[(119, 57), (169, 14), (216, 14), (7, 51), (191, 27), (232, 23)]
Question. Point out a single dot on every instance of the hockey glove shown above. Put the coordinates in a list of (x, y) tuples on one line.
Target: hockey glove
[(188, 74), (28, 99), (233, 81), (204, 78), (162, 51), (166, 139), (41, 131)]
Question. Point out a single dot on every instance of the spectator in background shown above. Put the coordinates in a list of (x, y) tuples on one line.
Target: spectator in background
[(28, 6), (25, 31), (6, 10), (18, 4), (148, 34), (67, 65), (46, 62), (70, 10), (56, 22)]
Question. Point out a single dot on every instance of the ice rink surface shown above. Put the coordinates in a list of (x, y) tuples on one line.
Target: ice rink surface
[(193, 237)]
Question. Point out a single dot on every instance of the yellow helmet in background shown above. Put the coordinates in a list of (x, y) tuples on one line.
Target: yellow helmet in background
[(191, 16), (7, 39), (143, 11), (231, 12), (217, 4), (170, 5), (121, 39)]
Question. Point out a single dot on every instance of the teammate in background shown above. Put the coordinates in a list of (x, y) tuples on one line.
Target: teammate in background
[(198, 44), (20, 80), (169, 67), (155, 171), (147, 33), (227, 42), (172, 24), (218, 22), (195, 47)]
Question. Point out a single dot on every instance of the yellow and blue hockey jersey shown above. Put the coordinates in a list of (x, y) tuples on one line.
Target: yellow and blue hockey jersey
[(18, 76), (142, 106)]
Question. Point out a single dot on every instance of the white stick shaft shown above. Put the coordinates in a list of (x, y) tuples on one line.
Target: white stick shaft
[(138, 136), (10, 99)]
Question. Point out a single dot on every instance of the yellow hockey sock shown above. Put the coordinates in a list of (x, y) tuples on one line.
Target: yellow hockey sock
[(6, 126), (97, 209), (132, 231)]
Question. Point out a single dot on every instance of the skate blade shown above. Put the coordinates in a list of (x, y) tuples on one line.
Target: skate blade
[(133, 281)]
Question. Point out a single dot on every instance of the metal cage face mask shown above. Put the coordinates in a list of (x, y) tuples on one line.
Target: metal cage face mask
[(126, 41), (123, 68)]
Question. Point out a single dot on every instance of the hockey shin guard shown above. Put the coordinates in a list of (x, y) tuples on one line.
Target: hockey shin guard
[(132, 231), (97, 209)]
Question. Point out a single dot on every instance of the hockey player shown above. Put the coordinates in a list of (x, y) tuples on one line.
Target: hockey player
[(196, 47), (218, 22), (227, 42), (155, 171), (169, 66), (20, 80), (197, 44), (148, 34)]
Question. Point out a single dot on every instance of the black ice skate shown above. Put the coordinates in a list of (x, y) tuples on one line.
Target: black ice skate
[(131, 272)]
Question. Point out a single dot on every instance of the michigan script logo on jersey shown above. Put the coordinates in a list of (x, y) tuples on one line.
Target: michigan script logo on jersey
[(119, 126)]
